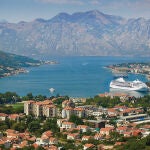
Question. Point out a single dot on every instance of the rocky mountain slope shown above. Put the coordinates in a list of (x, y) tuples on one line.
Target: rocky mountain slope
[(89, 33)]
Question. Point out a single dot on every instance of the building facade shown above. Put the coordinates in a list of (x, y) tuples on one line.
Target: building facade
[(45, 108)]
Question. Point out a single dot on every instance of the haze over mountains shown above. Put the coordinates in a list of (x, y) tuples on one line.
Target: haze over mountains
[(91, 33)]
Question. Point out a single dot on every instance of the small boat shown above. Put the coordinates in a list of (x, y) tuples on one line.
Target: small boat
[(52, 90), (120, 75)]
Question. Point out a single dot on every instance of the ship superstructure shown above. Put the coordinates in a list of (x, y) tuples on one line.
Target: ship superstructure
[(135, 85)]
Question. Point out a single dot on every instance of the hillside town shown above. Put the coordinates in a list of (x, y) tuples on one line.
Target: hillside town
[(9, 71), (76, 123), (74, 75)]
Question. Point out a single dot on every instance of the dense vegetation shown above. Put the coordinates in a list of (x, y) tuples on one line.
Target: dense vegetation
[(12, 60), (10, 109), (103, 101), (11, 64), (134, 143), (39, 125), (142, 102), (76, 120), (9, 97), (108, 102)]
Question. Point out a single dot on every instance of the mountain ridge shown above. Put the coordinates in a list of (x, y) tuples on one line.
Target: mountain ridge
[(90, 33)]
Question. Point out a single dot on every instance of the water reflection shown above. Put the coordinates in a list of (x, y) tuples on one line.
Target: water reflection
[(130, 93)]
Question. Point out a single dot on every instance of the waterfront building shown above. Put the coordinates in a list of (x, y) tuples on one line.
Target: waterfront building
[(3, 116), (80, 112), (14, 117), (134, 118), (98, 136), (37, 109), (45, 108), (49, 110), (122, 129), (106, 131), (72, 136), (68, 103), (53, 140), (67, 112), (60, 121), (96, 123), (86, 138), (68, 125), (83, 128), (89, 146), (28, 107)]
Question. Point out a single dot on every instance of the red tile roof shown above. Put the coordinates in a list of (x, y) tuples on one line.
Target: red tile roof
[(68, 108), (89, 145), (29, 102), (106, 129), (82, 126), (86, 137), (79, 109), (3, 115), (65, 102), (52, 148), (68, 123), (122, 128), (13, 116), (48, 133)]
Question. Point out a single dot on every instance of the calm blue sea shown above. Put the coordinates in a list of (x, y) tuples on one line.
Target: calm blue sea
[(73, 76)]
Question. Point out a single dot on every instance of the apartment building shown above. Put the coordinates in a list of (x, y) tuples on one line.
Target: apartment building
[(42, 108)]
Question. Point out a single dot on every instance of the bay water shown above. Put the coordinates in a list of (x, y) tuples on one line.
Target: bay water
[(72, 76)]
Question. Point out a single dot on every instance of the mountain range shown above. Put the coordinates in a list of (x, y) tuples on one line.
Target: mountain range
[(91, 33)]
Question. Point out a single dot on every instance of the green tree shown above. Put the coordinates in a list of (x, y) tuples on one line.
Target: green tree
[(30, 96), (21, 127), (51, 124), (103, 101), (76, 120), (40, 98), (29, 119), (34, 126), (27, 148), (115, 136), (134, 146), (148, 140)]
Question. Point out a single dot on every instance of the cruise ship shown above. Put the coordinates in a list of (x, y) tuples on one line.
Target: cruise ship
[(135, 85)]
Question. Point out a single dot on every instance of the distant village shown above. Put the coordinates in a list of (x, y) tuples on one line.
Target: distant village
[(136, 68), (55, 123), (6, 71), (9, 71)]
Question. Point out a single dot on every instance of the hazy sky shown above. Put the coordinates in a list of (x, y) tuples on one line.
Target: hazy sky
[(28, 10)]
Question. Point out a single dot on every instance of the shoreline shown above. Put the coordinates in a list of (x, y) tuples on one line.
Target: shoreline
[(11, 71), (131, 68)]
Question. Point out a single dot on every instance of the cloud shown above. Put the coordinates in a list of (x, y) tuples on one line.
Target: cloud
[(77, 2), (126, 8), (133, 8), (142, 4), (104, 3)]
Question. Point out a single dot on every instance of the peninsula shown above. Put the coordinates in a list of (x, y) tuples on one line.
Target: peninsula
[(136, 68), (11, 64)]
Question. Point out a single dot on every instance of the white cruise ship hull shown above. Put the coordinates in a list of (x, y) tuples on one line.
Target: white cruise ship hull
[(136, 85), (140, 89)]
